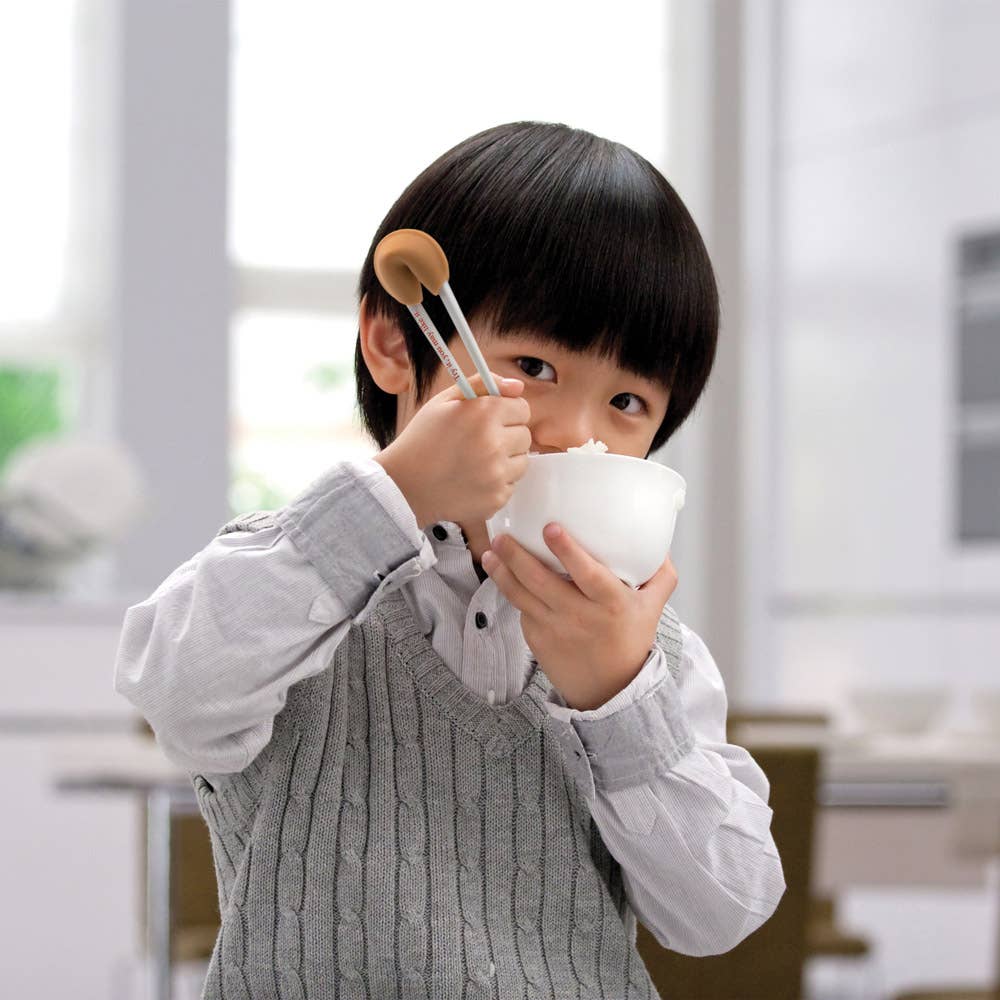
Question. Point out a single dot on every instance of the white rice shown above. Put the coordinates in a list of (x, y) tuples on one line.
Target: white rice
[(592, 446)]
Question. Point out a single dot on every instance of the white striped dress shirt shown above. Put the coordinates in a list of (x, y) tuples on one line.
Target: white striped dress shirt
[(209, 656)]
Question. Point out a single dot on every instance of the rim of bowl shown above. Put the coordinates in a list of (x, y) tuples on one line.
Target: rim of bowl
[(573, 455)]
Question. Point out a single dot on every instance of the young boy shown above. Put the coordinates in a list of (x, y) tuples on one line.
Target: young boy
[(430, 775)]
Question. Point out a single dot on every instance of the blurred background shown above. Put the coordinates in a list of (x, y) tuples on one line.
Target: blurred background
[(187, 192)]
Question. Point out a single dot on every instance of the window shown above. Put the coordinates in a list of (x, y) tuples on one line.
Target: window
[(332, 117), (41, 336)]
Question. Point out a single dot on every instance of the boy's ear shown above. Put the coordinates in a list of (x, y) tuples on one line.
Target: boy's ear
[(383, 347)]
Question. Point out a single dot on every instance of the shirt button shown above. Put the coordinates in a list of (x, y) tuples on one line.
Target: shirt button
[(481, 620), (439, 533)]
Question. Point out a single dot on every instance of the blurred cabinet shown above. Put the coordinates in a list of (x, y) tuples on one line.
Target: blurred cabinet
[(70, 864)]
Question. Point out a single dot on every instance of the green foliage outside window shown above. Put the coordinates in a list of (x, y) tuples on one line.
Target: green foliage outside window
[(250, 490), (29, 407), (330, 376)]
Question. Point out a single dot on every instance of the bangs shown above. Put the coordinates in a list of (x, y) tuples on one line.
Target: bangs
[(567, 236), (588, 259)]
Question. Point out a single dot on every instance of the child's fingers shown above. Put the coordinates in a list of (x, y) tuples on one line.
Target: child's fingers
[(508, 583), (593, 578)]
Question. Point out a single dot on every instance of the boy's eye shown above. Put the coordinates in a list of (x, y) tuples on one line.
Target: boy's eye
[(533, 364), (531, 369), (638, 399)]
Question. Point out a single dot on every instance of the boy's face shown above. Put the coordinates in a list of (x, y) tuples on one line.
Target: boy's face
[(573, 397)]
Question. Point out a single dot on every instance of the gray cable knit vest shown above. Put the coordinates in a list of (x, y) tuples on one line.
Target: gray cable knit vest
[(400, 837)]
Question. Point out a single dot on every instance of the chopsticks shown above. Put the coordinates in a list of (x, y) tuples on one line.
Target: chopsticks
[(407, 259)]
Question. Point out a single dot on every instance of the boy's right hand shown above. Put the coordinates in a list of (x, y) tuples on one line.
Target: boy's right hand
[(459, 459)]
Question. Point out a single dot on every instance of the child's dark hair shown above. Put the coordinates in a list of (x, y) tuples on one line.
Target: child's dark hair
[(555, 232)]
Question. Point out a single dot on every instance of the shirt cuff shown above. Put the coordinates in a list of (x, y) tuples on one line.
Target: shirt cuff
[(641, 731), (650, 674), (356, 527)]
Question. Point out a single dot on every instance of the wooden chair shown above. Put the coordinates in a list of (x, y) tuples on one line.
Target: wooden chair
[(768, 965), (824, 937)]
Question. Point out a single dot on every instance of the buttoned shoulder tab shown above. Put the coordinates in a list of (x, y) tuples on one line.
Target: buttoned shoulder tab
[(253, 521)]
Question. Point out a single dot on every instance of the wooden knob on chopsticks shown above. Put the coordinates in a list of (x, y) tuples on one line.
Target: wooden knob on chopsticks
[(405, 260)]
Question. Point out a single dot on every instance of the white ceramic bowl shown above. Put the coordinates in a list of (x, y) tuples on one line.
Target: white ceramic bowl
[(622, 510), (898, 710)]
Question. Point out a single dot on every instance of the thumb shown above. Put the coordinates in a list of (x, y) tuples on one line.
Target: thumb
[(662, 582)]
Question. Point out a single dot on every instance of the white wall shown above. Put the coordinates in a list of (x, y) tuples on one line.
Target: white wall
[(70, 866), (889, 148)]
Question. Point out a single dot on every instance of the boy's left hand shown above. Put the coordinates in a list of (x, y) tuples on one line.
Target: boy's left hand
[(592, 634)]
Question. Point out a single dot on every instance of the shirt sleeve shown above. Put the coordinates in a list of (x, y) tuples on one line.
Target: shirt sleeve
[(684, 812), (209, 657)]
